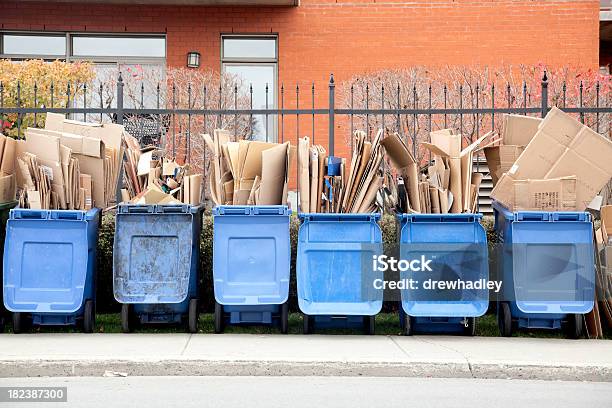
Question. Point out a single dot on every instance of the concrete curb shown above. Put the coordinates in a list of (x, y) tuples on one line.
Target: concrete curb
[(93, 368)]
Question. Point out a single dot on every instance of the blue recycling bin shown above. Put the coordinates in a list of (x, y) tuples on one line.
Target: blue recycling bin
[(456, 244), (5, 209), (334, 270), (251, 265), (546, 261), (50, 267), (155, 264)]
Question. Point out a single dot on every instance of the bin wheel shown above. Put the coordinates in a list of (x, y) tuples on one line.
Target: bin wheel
[(308, 324), (504, 320), (369, 323), (19, 323), (284, 318), (89, 317), (408, 328), (1, 324), (219, 317), (574, 327), (127, 319), (193, 315), (470, 329)]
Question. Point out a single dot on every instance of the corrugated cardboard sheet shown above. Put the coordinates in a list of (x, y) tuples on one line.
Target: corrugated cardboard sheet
[(563, 147)]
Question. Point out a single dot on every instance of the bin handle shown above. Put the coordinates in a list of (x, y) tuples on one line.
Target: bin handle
[(532, 216), (66, 215), (29, 214), (335, 217), (444, 218), (569, 217), (172, 209), (137, 209), (268, 211), (234, 211)]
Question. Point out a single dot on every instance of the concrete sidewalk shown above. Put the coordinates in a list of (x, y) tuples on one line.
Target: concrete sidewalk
[(323, 355)]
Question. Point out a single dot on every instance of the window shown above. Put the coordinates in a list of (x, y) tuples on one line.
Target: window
[(118, 46), (249, 48), (132, 48), (34, 45), (255, 61)]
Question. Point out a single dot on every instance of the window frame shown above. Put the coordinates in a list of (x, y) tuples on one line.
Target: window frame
[(33, 34), (254, 60), (69, 57), (115, 58), (272, 135)]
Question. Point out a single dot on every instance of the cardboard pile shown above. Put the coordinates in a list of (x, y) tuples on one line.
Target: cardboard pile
[(562, 168), (153, 179), (448, 185), (8, 147), (248, 172), (602, 311), (48, 175), (68, 165), (89, 158), (326, 186)]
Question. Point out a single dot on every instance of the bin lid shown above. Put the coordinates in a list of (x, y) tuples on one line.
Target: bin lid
[(334, 264), (153, 254), (455, 249), (251, 255), (549, 260)]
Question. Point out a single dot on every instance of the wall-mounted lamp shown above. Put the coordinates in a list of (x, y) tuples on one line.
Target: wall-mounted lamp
[(193, 59)]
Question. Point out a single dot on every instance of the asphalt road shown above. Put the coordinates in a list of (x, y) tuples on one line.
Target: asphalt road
[(353, 392)]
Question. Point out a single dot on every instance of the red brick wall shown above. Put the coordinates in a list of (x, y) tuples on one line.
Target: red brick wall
[(348, 37)]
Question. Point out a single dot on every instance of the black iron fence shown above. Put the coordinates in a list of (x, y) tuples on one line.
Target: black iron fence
[(165, 114), (173, 116)]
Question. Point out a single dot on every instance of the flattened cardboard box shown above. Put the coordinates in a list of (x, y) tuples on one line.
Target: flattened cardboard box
[(563, 147), (249, 167), (86, 183), (589, 157), (87, 146), (556, 133), (545, 195), (8, 156), (7, 188), (95, 168), (519, 129), (47, 149), (78, 144), (539, 195), (406, 164), (273, 174), (500, 159), (2, 144)]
